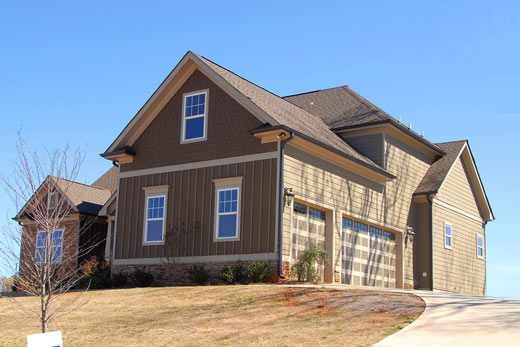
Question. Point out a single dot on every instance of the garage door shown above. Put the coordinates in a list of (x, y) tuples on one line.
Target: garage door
[(308, 227), (368, 255)]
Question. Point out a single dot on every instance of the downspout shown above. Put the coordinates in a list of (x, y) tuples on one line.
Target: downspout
[(281, 202), (430, 199)]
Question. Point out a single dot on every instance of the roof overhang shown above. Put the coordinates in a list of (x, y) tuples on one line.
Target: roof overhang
[(309, 145), (104, 210), (122, 156), (173, 82), (397, 130), (476, 183)]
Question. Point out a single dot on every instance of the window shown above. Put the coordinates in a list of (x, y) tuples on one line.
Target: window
[(447, 235), (360, 227), (347, 223), (194, 120), (52, 242), (227, 208), (387, 235), (376, 232), (300, 208), (316, 214), (480, 247), (155, 207)]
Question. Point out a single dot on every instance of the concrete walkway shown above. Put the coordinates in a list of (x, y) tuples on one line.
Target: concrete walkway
[(461, 320)]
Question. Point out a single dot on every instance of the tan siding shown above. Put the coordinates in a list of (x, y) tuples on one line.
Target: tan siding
[(190, 215), (313, 178), (457, 190), (371, 146), (159, 144), (457, 269)]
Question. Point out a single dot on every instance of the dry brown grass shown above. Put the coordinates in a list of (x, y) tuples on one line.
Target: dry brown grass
[(223, 315)]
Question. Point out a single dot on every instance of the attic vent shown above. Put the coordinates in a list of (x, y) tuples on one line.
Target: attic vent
[(52, 201)]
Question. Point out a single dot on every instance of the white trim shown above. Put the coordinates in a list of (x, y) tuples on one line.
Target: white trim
[(204, 115), (199, 164), (446, 224), (149, 193), (483, 246), (372, 221), (312, 202), (199, 259), (456, 209), (227, 184)]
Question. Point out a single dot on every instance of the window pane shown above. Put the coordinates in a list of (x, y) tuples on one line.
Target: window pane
[(480, 241), (227, 225), (57, 237), (40, 239), (361, 227), (221, 195), (56, 253), (194, 128), (188, 101), (221, 207), (154, 231), (228, 207), (195, 99), (300, 208), (347, 223), (202, 98), (39, 255), (234, 206), (316, 214)]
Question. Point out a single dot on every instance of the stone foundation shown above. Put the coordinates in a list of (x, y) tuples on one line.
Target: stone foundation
[(174, 273)]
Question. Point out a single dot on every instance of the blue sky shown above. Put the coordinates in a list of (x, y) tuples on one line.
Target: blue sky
[(77, 72)]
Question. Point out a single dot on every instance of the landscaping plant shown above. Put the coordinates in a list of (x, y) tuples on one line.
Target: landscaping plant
[(197, 274), (305, 269), (259, 271), (142, 278), (232, 274)]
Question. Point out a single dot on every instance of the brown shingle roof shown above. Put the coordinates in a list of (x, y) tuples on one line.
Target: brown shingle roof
[(438, 171), (288, 114), (87, 199), (108, 180)]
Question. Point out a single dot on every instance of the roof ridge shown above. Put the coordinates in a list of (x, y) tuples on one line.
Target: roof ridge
[(366, 102), (315, 91), (83, 184), (455, 141)]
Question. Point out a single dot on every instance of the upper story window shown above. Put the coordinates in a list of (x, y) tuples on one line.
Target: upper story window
[(227, 208), (480, 247), (49, 242), (448, 235), (155, 214), (194, 116)]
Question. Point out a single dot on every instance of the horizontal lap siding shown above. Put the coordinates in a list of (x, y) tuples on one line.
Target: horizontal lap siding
[(370, 146), (190, 212), (457, 269)]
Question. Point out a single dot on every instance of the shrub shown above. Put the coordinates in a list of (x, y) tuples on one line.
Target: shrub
[(232, 274), (259, 271), (197, 274), (96, 274), (142, 278), (305, 269), (91, 282), (119, 279)]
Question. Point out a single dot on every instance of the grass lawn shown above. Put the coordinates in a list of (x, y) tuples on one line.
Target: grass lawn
[(223, 315)]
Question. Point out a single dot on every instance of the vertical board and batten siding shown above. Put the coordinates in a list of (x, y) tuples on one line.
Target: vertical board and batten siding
[(371, 146), (457, 190), (457, 269), (190, 212), (318, 180)]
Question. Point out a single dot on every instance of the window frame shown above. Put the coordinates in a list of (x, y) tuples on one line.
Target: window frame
[(205, 115), (60, 245), (149, 193), (478, 236), (450, 246), (227, 184)]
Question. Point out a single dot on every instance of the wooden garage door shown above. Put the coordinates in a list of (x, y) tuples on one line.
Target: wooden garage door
[(368, 255), (308, 227)]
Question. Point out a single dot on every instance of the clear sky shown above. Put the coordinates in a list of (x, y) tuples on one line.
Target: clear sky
[(78, 72)]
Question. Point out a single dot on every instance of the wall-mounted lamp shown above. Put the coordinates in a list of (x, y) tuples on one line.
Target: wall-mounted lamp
[(410, 233), (289, 195)]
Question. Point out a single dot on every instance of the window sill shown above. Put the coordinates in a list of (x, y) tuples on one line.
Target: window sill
[(226, 239), (153, 243), (184, 142)]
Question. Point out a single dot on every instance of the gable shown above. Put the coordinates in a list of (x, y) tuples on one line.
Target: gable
[(228, 130), (458, 191)]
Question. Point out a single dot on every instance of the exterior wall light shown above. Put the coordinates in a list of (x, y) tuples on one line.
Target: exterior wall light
[(289, 195)]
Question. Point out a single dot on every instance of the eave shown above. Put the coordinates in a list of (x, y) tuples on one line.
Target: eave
[(122, 156)]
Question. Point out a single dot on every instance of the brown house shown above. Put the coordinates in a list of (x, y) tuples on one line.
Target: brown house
[(214, 169)]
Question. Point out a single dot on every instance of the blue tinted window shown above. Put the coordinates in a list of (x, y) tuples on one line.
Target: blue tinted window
[(228, 200), (347, 223), (154, 231), (194, 116), (300, 208), (360, 227), (316, 214), (54, 246), (194, 128), (155, 219), (228, 213), (227, 226), (376, 232)]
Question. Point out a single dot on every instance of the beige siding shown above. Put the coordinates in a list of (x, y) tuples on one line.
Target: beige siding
[(457, 269), (317, 180), (371, 146), (190, 212), (457, 190)]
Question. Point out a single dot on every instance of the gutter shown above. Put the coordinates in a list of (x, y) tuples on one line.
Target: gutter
[(430, 199), (281, 203)]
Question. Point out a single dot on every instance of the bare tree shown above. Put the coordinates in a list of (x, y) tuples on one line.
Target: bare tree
[(39, 250)]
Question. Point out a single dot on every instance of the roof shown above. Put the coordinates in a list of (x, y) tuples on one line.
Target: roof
[(87, 199), (439, 170), (108, 180), (287, 114), (342, 108)]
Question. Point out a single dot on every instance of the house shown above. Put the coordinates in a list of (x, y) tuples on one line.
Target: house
[(80, 233), (214, 169)]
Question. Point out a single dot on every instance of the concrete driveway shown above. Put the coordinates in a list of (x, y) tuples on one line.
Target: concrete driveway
[(461, 320)]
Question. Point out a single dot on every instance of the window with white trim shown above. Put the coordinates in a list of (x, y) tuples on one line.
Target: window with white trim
[(227, 208), (480, 247), (154, 223), (47, 241), (448, 235), (194, 116)]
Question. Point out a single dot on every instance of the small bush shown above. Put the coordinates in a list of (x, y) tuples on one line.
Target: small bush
[(142, 278), (197, 274), (232, 274), (91, 282), (259, 271), (119, 279), (305, 269), (95, 273)]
